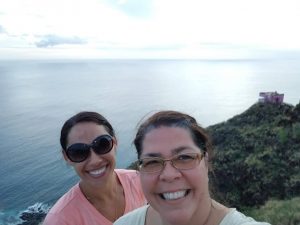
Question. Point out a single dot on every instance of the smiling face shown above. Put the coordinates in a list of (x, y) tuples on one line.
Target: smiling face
[(96, 169), (176, 195)]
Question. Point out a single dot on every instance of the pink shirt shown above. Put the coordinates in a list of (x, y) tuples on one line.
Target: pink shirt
[(74, 209)]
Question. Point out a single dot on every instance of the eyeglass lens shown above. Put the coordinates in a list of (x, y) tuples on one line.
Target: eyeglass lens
[(79, 152), (181, 162)]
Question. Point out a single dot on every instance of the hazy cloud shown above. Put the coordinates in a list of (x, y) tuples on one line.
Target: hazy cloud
[(53, 40), (2, 30), (134, 8)]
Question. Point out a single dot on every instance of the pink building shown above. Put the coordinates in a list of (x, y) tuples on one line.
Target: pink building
[(271, 97)]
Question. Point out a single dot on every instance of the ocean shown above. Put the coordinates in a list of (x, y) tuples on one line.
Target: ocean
[(37, 96)]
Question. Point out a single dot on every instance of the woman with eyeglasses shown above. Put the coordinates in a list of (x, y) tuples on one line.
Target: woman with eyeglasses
[(173, 152), (103, 193)]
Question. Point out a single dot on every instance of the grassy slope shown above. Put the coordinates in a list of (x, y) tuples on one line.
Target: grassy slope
[(278, 212)]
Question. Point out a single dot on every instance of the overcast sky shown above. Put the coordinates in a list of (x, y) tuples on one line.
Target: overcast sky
[(148, 28)]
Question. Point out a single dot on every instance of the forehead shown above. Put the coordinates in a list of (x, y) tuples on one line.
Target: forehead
[(167, 140), (85, 132)]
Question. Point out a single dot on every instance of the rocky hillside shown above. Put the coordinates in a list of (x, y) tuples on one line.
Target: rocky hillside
[(257, 155)]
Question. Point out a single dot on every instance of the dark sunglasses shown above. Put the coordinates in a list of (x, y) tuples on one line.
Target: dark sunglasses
[(79, 152)]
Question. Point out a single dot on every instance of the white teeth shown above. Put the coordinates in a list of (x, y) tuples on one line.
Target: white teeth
[(174, 195), (97, 172)]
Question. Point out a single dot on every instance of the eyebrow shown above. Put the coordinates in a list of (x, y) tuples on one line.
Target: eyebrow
[(174, 151)]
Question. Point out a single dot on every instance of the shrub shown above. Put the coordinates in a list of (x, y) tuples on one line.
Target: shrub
[(278, 212), (296, 131)]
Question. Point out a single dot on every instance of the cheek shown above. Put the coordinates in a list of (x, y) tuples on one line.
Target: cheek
[(78, 167), (198, 177), (111, 156), (148, 183)]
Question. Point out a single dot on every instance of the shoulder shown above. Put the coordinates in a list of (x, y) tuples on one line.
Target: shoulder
[(128, 177), (64, 205), (135, 217), (131, 184), (127, 173), (66, 199), (235, 217)]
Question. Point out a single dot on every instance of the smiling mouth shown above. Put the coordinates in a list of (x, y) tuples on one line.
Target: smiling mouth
[(97, 172), (174, 195)]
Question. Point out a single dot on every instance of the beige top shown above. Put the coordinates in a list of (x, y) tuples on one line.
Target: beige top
[(234, 217)]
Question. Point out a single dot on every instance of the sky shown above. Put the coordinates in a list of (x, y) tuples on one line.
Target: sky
[(202, 29)]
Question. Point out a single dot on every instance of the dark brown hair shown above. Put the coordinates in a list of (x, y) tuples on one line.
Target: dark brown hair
[(83, 117), (174, 119)]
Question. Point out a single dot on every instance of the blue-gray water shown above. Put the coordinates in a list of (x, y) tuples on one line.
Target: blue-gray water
[(36, 97)]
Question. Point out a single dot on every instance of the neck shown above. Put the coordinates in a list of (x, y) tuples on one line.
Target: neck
[(216, 213), (102, 193), (109, 199), (209, 213)]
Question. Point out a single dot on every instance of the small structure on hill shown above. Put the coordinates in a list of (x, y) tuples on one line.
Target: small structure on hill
[(271, 97)]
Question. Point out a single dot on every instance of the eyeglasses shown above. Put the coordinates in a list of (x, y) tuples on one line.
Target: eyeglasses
[(181, 162), (79, 152)]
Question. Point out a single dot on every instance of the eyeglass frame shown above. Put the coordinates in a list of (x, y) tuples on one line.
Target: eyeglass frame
[(198, 156)]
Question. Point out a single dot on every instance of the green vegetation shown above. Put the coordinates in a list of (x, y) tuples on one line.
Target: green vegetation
[(257, 155), (284, 212)]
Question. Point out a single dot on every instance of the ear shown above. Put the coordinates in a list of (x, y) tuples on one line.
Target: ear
[(206, 156), (206, 159), (115, 143)]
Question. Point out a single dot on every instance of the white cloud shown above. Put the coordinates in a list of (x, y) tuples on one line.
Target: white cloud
[(54, 40), (134, 26)]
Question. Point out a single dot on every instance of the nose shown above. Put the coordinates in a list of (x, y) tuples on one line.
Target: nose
[(94, 158), (169, 172)]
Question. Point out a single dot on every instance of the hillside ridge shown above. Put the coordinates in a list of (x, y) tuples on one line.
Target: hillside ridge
[(257, 155)]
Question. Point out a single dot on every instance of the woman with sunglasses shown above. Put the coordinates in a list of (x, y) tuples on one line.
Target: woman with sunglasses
[(173, 152), (103, 193)]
